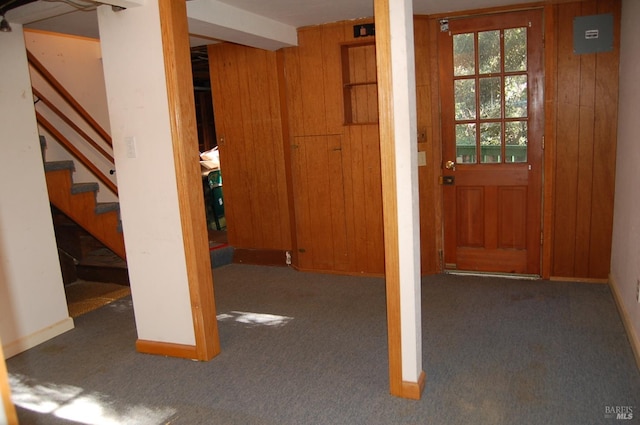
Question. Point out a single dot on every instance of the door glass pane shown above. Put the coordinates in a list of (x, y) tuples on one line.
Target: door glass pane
[(465, 99), (515, 134), (515, 102), (464, 54), (515, 49), (489, 52), (490, 142), (466, 143), (490, 98)]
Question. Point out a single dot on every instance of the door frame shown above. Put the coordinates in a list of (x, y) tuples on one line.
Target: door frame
[(549, 65)]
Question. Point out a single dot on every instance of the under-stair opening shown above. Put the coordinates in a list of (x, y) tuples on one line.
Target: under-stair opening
[(93, 275)]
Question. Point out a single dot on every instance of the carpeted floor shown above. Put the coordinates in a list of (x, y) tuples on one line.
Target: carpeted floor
[(304, 348)]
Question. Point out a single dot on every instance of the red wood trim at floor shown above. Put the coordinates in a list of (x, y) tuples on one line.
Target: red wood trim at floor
[(413, 390), (167, 349), (261, 257)]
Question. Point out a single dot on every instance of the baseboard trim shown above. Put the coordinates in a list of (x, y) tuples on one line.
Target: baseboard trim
[(579, 280), (260, 257), (37, 338), (634, 339), (413, 390), (337, 272), (167, 349)]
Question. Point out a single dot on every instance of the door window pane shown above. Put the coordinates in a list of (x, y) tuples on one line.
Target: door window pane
[(465, 99), (490, 98), (515, 49), (490, 142), (515, 134), (466, 143), (515, 102), (489, 52), (464, 54)]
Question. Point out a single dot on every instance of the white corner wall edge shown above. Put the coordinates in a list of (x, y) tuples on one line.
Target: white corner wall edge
[(32, 300), (406, 155), (131, 40), (216, 20), (632, 333), (36, 338)]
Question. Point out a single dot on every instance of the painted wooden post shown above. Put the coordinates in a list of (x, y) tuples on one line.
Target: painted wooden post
[(398, 149)]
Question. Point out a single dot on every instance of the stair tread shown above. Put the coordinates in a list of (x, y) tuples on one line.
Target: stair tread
[(104, 207), (84, 187), (59, 165)]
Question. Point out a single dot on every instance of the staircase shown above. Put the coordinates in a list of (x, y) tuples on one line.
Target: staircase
[(78, 202)]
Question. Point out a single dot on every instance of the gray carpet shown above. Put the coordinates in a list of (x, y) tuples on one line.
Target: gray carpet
[(302, 348)]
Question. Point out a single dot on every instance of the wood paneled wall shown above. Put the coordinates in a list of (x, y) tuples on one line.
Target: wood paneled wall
[(336, 167), (581, 130), (247, 106), (335, 220), (429, 142)]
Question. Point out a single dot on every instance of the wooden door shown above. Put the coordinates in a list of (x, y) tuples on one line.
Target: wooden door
[(318, 185), (491, 90)]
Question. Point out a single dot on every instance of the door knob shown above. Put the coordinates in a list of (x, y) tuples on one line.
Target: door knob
[(450, 165)]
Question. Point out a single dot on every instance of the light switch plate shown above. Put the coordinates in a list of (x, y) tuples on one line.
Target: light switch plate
[(422, 158), (130, 143)]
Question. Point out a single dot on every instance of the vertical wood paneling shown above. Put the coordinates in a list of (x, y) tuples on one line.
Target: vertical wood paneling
[(335, 168), (314, 120), (293, 90), (585, 124), (585, 156), (225, 88), (354, 195), (580, 102), (429, 189), (247, 106), (332, 35), (318, 188), (550, 130), (373, 198), (567, 143), (432, 229), (605, 133), (282, 227)]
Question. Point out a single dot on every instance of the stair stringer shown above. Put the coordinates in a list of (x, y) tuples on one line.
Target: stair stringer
[(78, 202)]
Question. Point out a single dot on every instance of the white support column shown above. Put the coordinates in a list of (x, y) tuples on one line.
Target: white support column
[(398, 144), (33, 307), (134, 69)]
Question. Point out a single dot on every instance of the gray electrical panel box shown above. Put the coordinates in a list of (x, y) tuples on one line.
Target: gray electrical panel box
[(593, 34)]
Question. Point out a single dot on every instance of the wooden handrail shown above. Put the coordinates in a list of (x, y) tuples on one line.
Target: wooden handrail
[(76, 153), (71, 124), (68, 97)]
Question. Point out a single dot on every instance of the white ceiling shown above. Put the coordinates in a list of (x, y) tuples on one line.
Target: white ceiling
[(296, 13), (299, 13)]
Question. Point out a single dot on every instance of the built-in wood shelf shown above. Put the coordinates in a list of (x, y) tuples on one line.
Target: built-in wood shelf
[(360, 86)]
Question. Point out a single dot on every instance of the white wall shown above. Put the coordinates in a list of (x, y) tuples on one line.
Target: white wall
[(625, 256), (76, 62), (33, 307), (138, 107)]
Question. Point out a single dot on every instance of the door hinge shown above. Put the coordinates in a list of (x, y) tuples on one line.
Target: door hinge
[(541, 237), (543, 142)]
